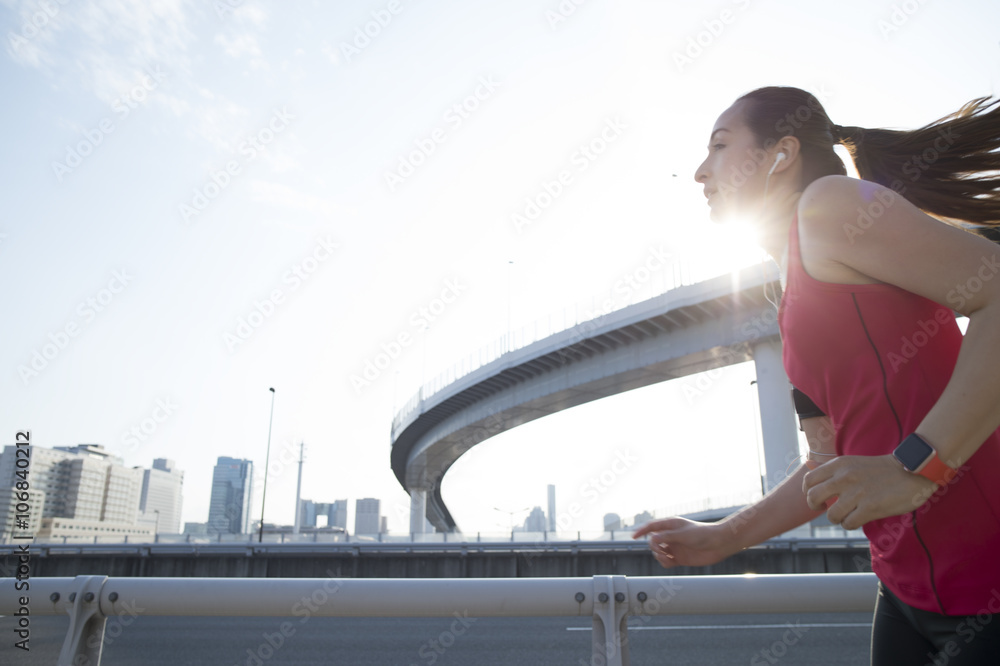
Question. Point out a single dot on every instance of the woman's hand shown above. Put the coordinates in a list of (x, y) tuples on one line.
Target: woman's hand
[(865, 488), (683, 542)]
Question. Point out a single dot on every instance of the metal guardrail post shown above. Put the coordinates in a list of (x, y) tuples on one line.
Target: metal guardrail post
[(85, 637), (610, 634)]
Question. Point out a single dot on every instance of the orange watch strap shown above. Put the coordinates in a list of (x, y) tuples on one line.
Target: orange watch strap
[(935, 470)]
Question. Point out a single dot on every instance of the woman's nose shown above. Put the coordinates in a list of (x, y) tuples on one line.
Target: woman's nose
[(701, 173)]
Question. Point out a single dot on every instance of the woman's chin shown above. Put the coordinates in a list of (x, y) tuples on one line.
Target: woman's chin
[(722, 215)]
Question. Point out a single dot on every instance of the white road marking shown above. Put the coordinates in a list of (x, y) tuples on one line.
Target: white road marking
[(739, 626)]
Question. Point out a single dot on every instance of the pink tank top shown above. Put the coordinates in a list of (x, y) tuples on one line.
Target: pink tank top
[(875, 358)]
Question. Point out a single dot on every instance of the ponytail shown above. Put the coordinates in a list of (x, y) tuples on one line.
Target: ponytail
[(949, 168)]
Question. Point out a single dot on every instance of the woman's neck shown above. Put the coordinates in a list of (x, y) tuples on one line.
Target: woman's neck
[(774, 224)]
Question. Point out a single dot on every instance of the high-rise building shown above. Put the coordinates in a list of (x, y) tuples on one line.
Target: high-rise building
[(307, 513), (337, 515), (535, 522), (31, 510), (552, 508), (232, 493), (161, 499), (367, 516), (84, 483)]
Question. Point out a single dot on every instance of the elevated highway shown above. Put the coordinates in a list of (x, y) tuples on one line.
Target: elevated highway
[(687, 330)]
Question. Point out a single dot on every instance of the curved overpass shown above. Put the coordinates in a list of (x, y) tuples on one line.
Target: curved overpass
[(690, 329)]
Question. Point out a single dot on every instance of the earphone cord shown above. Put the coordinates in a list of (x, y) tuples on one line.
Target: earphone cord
[(776, 302), (777, 298)]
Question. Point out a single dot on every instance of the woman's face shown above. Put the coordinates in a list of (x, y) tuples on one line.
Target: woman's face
[(735, 171)]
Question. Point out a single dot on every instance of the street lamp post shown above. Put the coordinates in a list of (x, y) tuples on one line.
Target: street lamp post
[(511, 514), (267, 461)]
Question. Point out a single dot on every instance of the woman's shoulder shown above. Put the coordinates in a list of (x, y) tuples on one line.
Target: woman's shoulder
[(832, 213), (838, 209)]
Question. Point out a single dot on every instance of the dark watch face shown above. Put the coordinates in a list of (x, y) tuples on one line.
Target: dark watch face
[(912, 452)]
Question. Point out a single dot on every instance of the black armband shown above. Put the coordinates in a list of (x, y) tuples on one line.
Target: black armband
[(804, 406)]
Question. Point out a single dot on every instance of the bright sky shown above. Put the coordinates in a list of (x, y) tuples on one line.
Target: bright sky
[(206, 199)]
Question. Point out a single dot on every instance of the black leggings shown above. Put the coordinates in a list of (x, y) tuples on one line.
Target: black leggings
[(907, 636)]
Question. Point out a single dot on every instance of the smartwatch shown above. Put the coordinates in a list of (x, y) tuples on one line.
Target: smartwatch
[(919, 457)]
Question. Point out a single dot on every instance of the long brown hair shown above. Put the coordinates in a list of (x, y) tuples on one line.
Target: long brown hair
[(949, 168)]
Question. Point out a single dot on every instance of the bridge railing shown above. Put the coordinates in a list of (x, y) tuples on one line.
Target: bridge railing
[(49, 549), (610, 600)]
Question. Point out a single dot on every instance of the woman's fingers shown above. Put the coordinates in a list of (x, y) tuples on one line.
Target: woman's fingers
[(652, 526)]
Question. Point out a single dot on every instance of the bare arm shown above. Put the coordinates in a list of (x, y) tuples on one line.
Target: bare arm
[(682, 542), (909, 249), (785, 507)]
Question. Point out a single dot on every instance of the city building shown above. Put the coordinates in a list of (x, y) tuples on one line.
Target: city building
[(76, 483), (55, 528), (642, 518), (196, 529), (368, 516), (232, 493), (612, 522), (552, 508), (307, 513), (161, 499), (535, 522), (335, 513)]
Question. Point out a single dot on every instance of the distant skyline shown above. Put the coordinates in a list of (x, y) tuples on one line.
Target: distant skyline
[(342, 200)]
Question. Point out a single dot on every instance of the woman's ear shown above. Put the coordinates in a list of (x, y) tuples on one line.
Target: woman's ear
[(790, 147)]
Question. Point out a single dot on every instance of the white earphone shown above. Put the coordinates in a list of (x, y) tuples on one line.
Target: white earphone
[(777, 161)]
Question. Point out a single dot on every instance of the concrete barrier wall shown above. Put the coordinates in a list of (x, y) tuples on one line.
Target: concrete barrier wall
[(444, 564)]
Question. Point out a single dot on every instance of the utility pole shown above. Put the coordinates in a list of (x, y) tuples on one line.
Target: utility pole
[(267, 461), (298, 492)]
